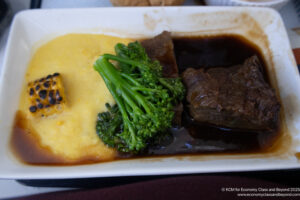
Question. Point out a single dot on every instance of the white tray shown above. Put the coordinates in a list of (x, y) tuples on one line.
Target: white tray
[(262, 26)]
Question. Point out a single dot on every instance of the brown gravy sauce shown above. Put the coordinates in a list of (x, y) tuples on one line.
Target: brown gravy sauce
[(193, 137), (190, 139), (26, 144)]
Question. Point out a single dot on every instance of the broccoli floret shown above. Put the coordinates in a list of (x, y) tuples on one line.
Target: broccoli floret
[(136, 52), (143, 97), (109, 125)]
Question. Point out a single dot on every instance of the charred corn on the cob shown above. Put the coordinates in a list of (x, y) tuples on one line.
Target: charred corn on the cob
[(46, 95)]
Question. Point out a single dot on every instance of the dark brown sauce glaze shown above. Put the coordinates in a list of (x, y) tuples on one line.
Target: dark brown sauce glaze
[(193, 137), (203, 138), (214, 51), (26, 145), (190, 139)]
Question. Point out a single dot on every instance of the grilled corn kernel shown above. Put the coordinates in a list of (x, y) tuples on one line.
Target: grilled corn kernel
[(46, 95)]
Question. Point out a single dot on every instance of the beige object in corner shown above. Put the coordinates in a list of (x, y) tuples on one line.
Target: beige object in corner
[(147, 2), (276, 4)]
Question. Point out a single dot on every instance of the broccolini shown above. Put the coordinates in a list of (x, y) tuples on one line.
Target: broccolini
[(144, 99)]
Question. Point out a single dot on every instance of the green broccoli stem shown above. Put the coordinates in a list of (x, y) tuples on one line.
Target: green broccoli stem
[(119, 49), (144, 100), (143, 89), (123, 60), (166, 84), (112, 75), (134, 93), (138, 86), (136, 83), (115, 76), (99, 66)]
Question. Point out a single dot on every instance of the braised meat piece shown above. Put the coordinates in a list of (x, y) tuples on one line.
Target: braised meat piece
[(161, 48), (234, 97)]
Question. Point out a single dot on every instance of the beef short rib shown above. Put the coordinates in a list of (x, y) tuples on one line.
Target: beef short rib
[(161, 48), (233, 97)]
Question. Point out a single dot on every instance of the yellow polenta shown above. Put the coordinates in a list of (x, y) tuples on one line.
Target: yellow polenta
[(71, 134)]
